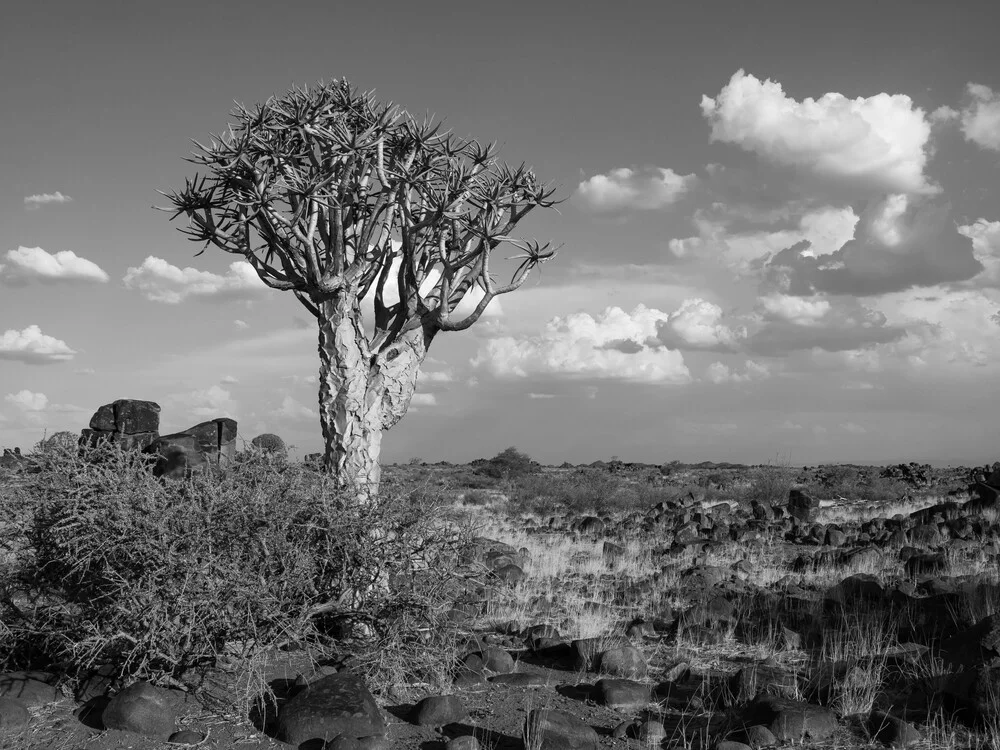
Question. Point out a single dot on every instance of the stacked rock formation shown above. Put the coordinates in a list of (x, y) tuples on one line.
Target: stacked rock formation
[(130, 423), (135, 425)]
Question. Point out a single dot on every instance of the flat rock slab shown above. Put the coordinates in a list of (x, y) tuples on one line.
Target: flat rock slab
[(13, 714), (791, 719), (338, 705)]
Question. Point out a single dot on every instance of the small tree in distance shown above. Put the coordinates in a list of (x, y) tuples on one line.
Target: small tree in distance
[(335, 197)]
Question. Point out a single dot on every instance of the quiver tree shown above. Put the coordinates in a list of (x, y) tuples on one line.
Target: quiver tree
[(336, 197)]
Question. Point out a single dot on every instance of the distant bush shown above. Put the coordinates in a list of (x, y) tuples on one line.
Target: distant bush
[(584, 490), (768, 484), (269, 443), (509, 464), (102, 564)]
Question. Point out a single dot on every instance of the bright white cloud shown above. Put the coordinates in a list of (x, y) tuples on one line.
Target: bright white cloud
[(797, 310), (541, 395), (33, 347), (27, 401), (697, 324), (45, 199), (435, 376), (229, 380), (985, 236), (28, 264), (613, 345), (853, 427), (159, 281), (878, 143), (981, 118), (649, 188), (241, 324)]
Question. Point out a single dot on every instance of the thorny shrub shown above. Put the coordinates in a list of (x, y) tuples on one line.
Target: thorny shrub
[(103, 564)]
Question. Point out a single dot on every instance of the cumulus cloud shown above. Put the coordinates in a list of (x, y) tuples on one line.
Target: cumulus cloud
[(826, 229), (853, 428), (900, 242), (27, 264), (985, 237), (719, 373), (696, 324), (541, 395), (946, 329), (159, 281), (292, 409), (981, 117), (229, 380), (33, 347), (435, 376), (32, 202), (241, 324), (789, 323), (649, 188), (876, 144), (612, 345), (27, 401), (797, 310)]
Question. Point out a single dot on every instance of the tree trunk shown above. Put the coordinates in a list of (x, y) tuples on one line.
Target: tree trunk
[(358, 399), (350, 412)]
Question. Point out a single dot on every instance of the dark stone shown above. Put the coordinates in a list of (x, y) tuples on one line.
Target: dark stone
[(510, 574), (340, 704), (178, 456), (144, 709), (622, 693), (891, 730), (30, 688), (132, 416), (802, 505), (216, 438), (103, 419), (438, 710), (791, 719), (138, 441), (625, 661), (496, 659), (549, 729)]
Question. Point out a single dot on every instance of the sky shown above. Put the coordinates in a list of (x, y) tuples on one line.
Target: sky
[(779, 241)]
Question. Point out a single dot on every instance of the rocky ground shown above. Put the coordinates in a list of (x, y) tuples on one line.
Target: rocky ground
[(716, 617)]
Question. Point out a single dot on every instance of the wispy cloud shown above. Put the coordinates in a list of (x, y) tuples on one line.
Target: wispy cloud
[(33, 202), (28, 264)]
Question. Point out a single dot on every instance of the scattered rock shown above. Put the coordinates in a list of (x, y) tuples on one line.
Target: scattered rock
[(438, 710), (550, 729), (339, 704), (143, 709)]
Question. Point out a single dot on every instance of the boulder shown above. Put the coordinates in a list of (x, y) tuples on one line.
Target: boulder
[(216, 439), (438, 710), (143, 709), (128, 416), (178, 456), (550, 729), (802, 505), (339, 704), (791, 720)]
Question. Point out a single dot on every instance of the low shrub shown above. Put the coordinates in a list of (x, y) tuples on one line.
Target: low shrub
[(508, 465), (102, 564), (768, 484)]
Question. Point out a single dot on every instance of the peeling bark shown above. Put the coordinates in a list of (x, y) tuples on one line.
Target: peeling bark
[(361, 396), (350, 410)]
